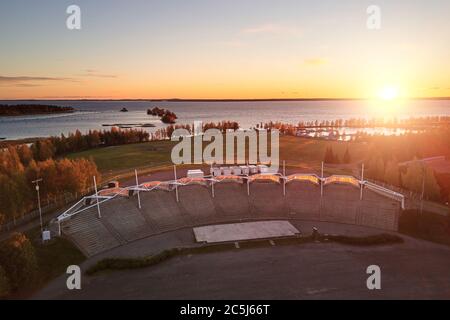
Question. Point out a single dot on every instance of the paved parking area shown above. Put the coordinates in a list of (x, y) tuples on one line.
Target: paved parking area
[(413, 270)]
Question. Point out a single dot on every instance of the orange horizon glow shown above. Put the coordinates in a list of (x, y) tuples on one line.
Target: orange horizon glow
[(149, 50)]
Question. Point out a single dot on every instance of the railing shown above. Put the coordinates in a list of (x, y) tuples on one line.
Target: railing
[(50, 204), (386, 192)]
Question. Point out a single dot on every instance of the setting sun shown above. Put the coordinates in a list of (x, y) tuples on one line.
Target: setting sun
[(389, 93)]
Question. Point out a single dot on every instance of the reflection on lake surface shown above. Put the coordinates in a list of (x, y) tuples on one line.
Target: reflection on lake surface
[(94, 114)]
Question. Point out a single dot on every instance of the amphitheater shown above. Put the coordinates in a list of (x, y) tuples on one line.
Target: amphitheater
[(117, 216)]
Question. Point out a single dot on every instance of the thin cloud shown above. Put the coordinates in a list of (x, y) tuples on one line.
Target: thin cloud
[(266, 28), (29, 81), (233, 44), (273, 28), (75, 97), (315, 61), (28, 78), (28, 85), (96, 74)]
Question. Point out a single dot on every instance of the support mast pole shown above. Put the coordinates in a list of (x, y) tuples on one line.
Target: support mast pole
[(137, 186), (362, 182), (96, 196)]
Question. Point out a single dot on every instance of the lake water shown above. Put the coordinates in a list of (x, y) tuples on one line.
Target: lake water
[(93, 114)]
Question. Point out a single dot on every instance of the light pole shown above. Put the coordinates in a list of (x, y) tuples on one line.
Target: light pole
[(321, 181), (96, 196), (176, 182), (36, 182), (284, 178)]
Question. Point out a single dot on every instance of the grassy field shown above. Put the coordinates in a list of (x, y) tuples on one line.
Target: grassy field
[(298, 152), (113, 160)]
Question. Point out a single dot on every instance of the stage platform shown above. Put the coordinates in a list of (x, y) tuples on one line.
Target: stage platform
[(244, 231)]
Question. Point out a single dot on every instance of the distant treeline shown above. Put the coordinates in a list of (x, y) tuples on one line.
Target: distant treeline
[(377, 122), (166, 133), (75, 142), (408, 123), (29, 109)]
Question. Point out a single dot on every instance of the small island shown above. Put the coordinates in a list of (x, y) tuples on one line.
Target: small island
[(31, 109), (166, 116)]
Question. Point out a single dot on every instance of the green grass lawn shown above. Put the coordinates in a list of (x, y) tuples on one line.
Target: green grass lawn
[(111, 160), (298, 152), (54, 257)]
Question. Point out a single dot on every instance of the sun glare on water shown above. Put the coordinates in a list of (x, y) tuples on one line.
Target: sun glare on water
[(388, 103)]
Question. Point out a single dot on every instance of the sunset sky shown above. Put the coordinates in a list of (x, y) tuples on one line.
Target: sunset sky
[(224, 49)]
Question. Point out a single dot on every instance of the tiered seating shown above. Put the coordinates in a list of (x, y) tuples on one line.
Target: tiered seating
[(231, 201), (89, 233), (267, 201), (196, 201), (124, 216), (303, 199), (162, 211), (122, 221)]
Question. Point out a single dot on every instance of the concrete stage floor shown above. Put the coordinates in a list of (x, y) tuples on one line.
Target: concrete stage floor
[(415, 269), (244, 231)]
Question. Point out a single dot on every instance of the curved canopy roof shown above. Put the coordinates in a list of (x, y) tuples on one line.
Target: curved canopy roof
[(303, 177)]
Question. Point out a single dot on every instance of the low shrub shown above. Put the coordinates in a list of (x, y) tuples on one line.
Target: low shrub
[(373, 240)]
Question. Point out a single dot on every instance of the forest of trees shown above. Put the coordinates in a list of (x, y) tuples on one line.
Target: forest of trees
[(332, 158), (382, 165), (27, 109), (414, 177), (19, 166), (77, 141)]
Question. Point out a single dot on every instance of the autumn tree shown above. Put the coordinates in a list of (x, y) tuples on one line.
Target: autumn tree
[(43, 150), (392, 173), (347, 158), (25, 154), (330, 156), (375, 168), (13, 193), (18, 258), (418, 177)]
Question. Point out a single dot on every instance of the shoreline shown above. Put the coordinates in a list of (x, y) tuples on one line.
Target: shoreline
[(34, 114), (225, 100)]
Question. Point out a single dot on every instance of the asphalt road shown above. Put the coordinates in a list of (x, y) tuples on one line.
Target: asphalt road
[(413, 270)]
